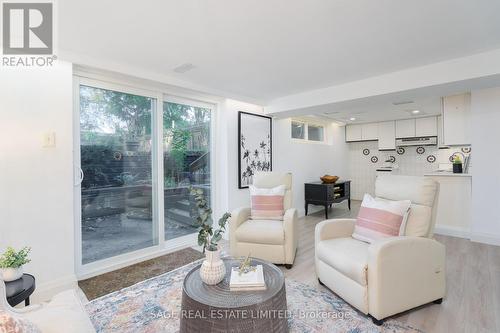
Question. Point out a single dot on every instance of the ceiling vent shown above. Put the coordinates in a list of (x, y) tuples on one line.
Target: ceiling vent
[(184, 68)]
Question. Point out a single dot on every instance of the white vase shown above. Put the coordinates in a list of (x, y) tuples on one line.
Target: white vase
[(11, 274), (212, 270)]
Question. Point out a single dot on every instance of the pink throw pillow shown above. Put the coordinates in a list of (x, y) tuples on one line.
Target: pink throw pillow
[(380, 218), (267, 203)]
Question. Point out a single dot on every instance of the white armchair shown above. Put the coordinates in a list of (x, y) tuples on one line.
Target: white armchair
[(271, 240), (391, 275), (65, 313)]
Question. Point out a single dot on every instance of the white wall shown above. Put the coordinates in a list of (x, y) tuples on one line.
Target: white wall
[(230, 108), (36, 193), (308, 161), (485, 108)]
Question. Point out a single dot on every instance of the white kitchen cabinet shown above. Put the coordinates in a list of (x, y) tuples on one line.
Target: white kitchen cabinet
[(405, 128), (456, 120), (369, 131), (387, 135), (353, 133), (440, 132), (426, 126)]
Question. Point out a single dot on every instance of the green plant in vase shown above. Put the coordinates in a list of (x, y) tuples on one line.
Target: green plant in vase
[(213, 269), (207, 237), (12, 262), (457, 164)]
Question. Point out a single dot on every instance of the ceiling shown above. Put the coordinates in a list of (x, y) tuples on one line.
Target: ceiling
[(268, 49), (381, 111)]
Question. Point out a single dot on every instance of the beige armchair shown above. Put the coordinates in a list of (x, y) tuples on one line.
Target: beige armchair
[(271, 240), (391, 275), (65, 313)]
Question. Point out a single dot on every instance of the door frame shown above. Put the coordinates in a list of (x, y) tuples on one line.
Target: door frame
[(162, 247)]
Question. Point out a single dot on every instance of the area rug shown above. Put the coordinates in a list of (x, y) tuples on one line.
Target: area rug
[(125, 277), (154, 306)]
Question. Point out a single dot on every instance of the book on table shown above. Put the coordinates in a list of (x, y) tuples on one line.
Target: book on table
[(253, 280)]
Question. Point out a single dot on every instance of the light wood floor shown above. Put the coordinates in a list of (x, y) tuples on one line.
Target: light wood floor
[(472, 303)]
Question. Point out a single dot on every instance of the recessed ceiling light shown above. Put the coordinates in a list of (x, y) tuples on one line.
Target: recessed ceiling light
[(415, 111), (184, 68), (352, 119), (402, 102)]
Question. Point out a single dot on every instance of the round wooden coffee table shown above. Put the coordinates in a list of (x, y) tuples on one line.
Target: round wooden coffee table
[(217, 309)]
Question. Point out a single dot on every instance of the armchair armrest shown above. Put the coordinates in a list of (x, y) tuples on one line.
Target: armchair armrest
[(291, 234), (404, 272), (238, 216), (334, 228)]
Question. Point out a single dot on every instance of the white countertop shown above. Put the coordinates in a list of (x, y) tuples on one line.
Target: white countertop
[(447, 174)]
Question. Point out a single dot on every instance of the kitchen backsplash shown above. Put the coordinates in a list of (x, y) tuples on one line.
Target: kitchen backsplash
[(365, 159)]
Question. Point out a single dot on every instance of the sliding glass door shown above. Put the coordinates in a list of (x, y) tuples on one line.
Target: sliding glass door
[(116, 161), (186, 160), (139, 153)]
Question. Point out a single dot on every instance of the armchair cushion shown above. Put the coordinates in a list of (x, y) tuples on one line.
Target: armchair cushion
[(419, 190), (261, 232), (347, 255), (64, 313), (419, 221)]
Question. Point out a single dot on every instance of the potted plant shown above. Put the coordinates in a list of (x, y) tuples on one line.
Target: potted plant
[(457, 164), (11, 263), (212, 270)]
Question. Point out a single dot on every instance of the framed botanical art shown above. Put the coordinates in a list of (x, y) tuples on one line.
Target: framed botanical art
[(255, 151)]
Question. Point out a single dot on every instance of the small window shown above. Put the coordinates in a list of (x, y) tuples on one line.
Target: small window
[(298, 130), (315, 133), (303, 130)]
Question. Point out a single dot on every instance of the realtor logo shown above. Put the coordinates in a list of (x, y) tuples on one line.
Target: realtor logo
[(27, 28)]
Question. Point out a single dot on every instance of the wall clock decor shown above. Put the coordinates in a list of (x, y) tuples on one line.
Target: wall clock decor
[(420, 150), (400, 150), (366, 151), (374, 159), (255, 151), (431, 158)]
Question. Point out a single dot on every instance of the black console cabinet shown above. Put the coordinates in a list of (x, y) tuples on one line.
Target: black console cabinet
[(318, 193)]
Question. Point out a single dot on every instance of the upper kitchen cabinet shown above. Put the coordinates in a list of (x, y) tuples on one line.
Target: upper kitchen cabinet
[(456, 120), (361, 132), (426, 126), (405, 128), (369, 132), (387, 135), (353, 133)]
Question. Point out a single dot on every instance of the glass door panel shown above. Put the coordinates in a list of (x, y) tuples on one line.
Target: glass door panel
[(186, 160), (116, 159)]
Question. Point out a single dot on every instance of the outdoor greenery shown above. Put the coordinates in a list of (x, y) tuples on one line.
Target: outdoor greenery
[(116, 132), (207, 237), (126, 116), (12, 259), (187, 130)]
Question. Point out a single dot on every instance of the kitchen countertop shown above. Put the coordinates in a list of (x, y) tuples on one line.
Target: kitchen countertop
[(448, 174)]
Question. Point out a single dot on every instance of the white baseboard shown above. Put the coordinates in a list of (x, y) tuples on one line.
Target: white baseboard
[(452, 231), (485, 238), (45, 291)]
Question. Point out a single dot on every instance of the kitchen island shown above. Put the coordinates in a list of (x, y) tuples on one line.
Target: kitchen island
[(454, 206)]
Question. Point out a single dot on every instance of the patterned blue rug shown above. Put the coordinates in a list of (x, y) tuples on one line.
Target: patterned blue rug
[(153, 306)]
